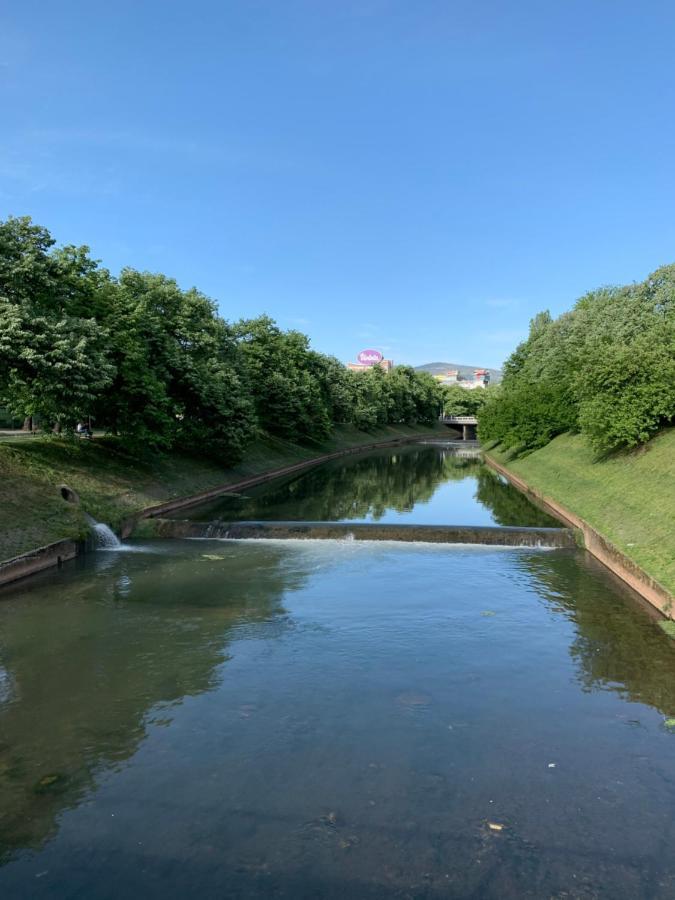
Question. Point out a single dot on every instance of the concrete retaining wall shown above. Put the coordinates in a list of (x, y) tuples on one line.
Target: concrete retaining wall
[(597, 545), (37, 560)]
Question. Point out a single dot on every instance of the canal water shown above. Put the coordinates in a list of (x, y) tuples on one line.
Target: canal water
[(417, 484), (309, 719)]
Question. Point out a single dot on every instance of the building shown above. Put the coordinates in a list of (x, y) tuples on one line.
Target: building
[(481, 378), (386, 364), (449, 377), (369, 358)]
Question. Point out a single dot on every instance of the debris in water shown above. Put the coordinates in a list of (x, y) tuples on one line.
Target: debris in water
[(211, 556), (55, 782), (551, 765), (488, 612), (331, 819), (495, 826), (348, 842)]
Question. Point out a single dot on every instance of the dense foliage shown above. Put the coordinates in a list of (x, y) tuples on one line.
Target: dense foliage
[(606, 368), (157, 365), (459, 401)]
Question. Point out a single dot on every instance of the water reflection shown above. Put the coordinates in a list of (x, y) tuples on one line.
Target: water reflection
[(418, 484), (616, 646), (86, 655), (309, 719)]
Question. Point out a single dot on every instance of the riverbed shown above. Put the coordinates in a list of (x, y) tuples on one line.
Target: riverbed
[(313, 719)]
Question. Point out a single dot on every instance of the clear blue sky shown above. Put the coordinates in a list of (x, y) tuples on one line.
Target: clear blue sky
[(411, 175)]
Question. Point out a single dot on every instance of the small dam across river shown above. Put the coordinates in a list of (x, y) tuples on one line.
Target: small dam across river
[(504, 536)]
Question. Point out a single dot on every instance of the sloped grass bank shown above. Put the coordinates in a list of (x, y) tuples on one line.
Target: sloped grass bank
[(113, 485), (628, 498)]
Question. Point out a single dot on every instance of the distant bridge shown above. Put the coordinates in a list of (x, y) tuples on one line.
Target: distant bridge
[(467, 425)]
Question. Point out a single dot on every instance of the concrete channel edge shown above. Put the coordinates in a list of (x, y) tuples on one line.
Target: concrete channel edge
[(597, 545), (53, 555)]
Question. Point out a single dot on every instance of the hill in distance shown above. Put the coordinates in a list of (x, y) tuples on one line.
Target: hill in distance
[(438, 368)]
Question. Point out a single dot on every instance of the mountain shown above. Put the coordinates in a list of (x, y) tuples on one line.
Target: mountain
[(438, 368)]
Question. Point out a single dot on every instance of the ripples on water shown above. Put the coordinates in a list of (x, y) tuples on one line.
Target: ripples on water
[(332, 719)]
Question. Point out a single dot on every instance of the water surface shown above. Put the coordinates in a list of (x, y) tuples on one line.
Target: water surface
[(324, 719), (331, 719), (418, 484)]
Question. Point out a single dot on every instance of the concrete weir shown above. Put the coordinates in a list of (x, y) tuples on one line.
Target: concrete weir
[(438, 534)]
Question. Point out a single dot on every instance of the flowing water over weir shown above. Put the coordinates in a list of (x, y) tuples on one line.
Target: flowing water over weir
[(344, 717), (504, 536), (104, 537)]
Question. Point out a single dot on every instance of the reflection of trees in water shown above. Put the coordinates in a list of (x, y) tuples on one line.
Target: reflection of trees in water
[(372, 485), (508, 505), (87, 658), (351, 489), (617, 646)]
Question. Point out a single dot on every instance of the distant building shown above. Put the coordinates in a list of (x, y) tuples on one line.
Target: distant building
[(449, 377), (386, 364), (481, 378)]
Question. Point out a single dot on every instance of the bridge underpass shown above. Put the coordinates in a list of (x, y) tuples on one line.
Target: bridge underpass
[(466, 425)]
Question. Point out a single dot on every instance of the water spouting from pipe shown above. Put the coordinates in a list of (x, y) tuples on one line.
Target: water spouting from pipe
[(104, 536)]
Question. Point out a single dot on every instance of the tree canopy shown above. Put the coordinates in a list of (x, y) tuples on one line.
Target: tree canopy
[(157, 364), (606, 368)]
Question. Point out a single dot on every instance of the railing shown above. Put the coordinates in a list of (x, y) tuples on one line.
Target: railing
[(460, 420)]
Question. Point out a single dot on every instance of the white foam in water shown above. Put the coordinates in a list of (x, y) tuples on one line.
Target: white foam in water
[(349, 541), (106, 539)]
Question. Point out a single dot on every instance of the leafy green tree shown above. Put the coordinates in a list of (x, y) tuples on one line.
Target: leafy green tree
[(370, 407), (428, 397), (51, 367), (459, 401), (606, 368), (179, 380), (53, 353), (628, 391), (285, 380)]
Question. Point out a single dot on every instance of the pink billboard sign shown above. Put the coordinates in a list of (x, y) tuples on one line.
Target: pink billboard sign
[(370, 357)]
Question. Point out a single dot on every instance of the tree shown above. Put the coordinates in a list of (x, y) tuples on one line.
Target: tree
[(606, 367), (285, 379), (179, 378), (459, 401), (51, 367), (53, 354)]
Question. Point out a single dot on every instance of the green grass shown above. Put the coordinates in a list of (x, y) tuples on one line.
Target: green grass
[(629, 498), (113, 485), (668, 626)]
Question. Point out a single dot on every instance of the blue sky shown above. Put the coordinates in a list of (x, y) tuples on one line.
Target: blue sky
[(419, 177)]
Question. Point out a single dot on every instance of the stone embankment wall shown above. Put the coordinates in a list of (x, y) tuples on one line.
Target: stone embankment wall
[(597, 545)]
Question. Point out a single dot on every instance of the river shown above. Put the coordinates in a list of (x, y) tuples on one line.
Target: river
[(310, 719)]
